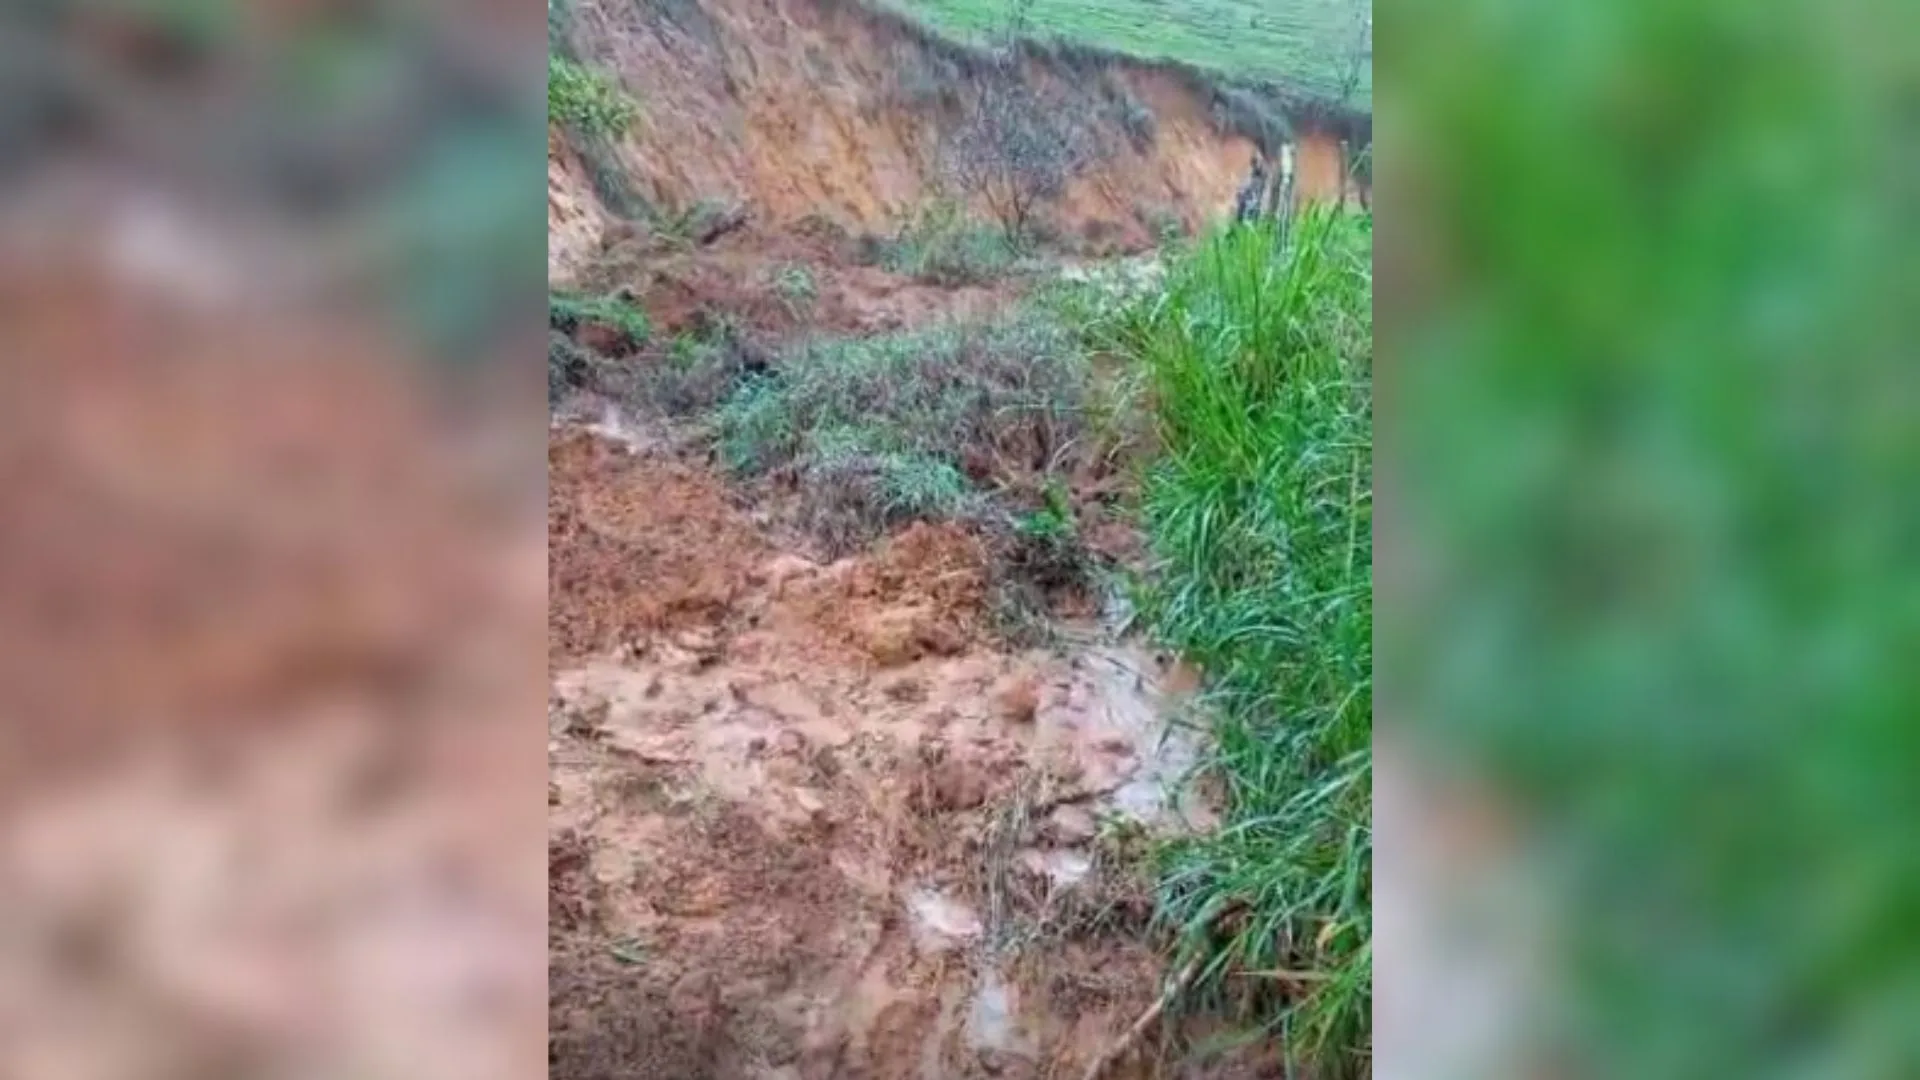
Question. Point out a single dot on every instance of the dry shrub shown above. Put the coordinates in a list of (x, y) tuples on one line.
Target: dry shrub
[(1013, 151)]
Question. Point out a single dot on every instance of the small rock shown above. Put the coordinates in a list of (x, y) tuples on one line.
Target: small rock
[(892, 638), (1019, 699), (589, 720), (1061, 869), (649, 749), (1114, 744), (940, 639), (941, 923), (700, 641)]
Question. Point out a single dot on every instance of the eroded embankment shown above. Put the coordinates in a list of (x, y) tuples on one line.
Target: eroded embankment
[(798, 108)]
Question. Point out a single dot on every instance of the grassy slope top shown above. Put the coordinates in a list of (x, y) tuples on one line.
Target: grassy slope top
[(1305, 43)]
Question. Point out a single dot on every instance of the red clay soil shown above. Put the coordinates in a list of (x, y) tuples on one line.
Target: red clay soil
[(748, 279), (807, 821), (637, 547), (250, 541), (802, 108)]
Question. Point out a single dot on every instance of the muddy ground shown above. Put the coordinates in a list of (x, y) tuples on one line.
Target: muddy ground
[(811, 820), (815, 817)]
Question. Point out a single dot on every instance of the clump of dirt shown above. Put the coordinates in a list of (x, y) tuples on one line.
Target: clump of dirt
[(812, 850), (922, 592), (636, 544)]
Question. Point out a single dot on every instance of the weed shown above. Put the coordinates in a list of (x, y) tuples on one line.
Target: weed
[(594, 112), (683, 228), (1259, 515), (611, 181), (587, 101), (613, 321), (1046, 547), (858, 490), (794, 284), (942, 246), (1253, 115), (568, 366), (1134, 118), (912, 425), (698, 371), (1168, 228)]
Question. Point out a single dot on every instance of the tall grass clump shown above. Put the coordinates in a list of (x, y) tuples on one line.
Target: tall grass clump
[(1259, 513)]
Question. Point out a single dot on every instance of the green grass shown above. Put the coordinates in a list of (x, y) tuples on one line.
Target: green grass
[(567, 310), (1259, 514), (1298, 42), (943, 246), (587, 101), (923, 424)]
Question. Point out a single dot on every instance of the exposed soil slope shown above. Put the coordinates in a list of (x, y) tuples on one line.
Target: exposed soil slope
[(801, 108)]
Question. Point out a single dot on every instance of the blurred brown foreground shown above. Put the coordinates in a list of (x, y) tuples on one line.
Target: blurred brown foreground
[(270, 571)]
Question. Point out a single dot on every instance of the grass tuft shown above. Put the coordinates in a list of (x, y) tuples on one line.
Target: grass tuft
[(1259, 513), (587, 101), (620, 317), (911, 425), (942, 246)]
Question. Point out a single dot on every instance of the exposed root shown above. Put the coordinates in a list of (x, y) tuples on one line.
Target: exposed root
[(1147, 1019)]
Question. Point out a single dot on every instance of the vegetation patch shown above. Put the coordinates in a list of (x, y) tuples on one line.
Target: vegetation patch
[(612, 323), (971, 423), (699, 371), (1013, 151), (569, 367), (1259, 513), (584, 331), (992, 401), (794, 283), (942, 246), (587, 101)]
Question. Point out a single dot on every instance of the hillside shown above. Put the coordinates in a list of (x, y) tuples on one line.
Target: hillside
[(830, 112), (899, 533), (1304, 43)]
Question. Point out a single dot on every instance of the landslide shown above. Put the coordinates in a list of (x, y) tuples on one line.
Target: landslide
[(829, 110)]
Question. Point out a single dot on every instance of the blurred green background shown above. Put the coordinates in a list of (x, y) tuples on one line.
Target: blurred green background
[(1649, 445), (391, 150)]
